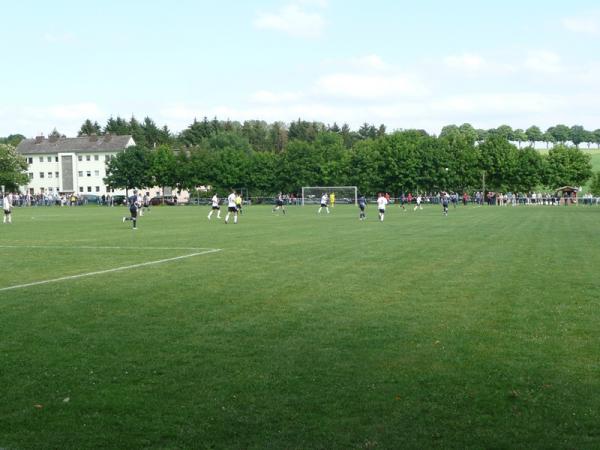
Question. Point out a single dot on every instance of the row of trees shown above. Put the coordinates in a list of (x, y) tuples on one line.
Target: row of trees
[(398, 162), (274, 137)]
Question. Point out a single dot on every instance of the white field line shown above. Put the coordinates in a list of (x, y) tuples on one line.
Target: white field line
[(116, 269), (89, 247)]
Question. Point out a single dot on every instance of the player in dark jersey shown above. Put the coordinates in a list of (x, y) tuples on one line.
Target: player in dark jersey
[(134, 206), (279, 203), (362, 204), (445, 202)]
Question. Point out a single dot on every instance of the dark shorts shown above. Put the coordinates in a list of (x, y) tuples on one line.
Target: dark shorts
[(323, 205), (362, 207), (133, 212), (279, 202), (382, 211), (7, 211), (216, 207), (232, 209)]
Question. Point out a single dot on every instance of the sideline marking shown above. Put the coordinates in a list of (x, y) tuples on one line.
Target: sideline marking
[(116, 269), (89, 247)]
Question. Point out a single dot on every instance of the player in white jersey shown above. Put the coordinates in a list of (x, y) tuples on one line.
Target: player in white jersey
[(381, 202), (215, 207), (324, 199), (140, 203), (7, 207), (231, 207), (419, 200)]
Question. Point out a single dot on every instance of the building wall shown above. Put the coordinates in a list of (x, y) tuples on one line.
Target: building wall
[(46, 173)]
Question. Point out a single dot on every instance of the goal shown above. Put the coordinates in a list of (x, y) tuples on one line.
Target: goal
[(343, 194)]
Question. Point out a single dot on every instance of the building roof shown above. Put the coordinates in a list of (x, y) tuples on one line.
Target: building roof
[(85, 144)]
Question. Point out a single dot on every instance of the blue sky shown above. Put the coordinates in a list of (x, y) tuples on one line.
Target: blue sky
[(405, 64)]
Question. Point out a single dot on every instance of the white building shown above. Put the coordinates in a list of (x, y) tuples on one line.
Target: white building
[(70, 165)]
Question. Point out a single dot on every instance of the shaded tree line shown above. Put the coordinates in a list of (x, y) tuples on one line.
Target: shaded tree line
[(395, 162)]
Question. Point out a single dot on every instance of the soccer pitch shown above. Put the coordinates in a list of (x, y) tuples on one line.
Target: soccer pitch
[(476, 330)]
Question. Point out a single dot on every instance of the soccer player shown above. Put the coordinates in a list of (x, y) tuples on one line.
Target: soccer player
[(279, 203), (362, 204), (419, 200), (323, 204), (445, 202), (238, 203), (231, 207), (140, 202), (7, 207), (381, 202), (146, 201), (332, 199), (134, 205), (215, 207)]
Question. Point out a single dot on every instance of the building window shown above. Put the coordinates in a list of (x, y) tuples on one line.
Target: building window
[(106, 157), (88, 173), (88, 158), (49, 174), (49, 159), (50, 189), (79, 158), (89, 189), (96, 173), (41, 174), (80, 173), (41, 159), (96, 157), (80, 188), (97, 188), (56, 159), (30, 160), (56, 174), (30, 175)]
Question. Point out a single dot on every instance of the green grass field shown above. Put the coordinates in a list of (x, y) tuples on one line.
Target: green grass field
[(476, 330)]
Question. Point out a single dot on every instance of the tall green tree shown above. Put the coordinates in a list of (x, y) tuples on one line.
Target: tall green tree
[(595, 186), (561, 133), (577, 134), (567, 167), (89, 128), (534, 134), (12, 168), (129, 169), (163, 167)]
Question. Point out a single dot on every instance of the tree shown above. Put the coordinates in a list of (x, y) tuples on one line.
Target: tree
[(519, 136), (12, 139), (12, 168), (129, 169), (118, 126), (577, 134), (88, 128), (499, 161), (163, 167), (534, 134), (595, 186), (596, 137), (560, 133), (56, 134), (567, 167)]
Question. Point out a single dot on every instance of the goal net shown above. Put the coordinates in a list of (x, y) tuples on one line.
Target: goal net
[(343, 194)]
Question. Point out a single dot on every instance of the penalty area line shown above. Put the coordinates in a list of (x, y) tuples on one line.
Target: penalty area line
[(116, 269)]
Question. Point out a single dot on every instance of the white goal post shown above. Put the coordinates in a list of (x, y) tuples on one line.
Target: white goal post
[(343, 194)]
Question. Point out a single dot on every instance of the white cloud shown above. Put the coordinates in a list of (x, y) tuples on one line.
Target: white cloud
[(360, 86), (466, 61), (292, 19), (585, 25), (273, 97), (369, 62), (543, 61)]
